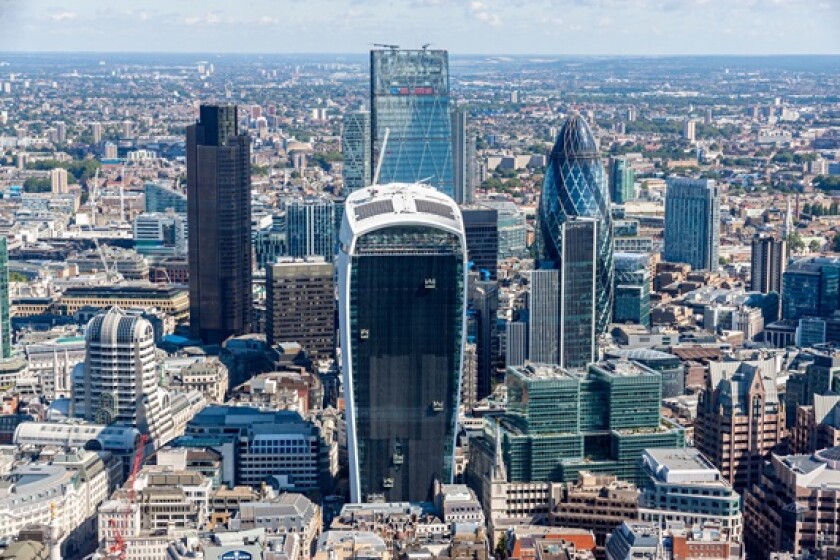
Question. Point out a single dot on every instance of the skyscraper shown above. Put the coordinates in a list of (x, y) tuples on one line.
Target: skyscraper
[(483, 298), (58, 180), (632, 289), (575, 185), (310, 228), (768, 263), (544, 317), (300, 302), (355, 148), (692, 222), (740, 419), (513, 233), (463, 158), (689, 130), (219, 217), (5, 321), (516, 343), (811, 288), (482, 230), (118, 381), (622, 180), (402, 298), (410, 97), (578, 298)]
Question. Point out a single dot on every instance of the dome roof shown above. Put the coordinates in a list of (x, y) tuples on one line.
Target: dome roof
[(575, 140)]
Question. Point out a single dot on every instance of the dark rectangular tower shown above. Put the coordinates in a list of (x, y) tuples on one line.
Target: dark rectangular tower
[(300, 301), (219, 217), (482, 230)]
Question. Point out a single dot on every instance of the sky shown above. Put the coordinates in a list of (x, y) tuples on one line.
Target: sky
[(597, 27)]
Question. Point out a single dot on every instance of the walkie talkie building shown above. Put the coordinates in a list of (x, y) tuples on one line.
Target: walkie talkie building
[(402, 293)]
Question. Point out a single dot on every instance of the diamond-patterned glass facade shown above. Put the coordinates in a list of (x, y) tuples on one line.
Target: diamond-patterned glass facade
[(575, 185), (410, 97)]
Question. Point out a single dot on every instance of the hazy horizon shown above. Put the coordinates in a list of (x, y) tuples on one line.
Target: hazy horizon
[(473, 27)]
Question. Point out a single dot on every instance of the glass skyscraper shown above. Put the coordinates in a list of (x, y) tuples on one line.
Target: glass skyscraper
[(576, 185), (632, 289), (355, 148), (410, 97), (310, 228), (513, 232), (559, 423), (161, 199), (402, 297), (482, 229), (811, 288), (692, 222), (622, 181), (463, 158), (219, 218), (5, 304)]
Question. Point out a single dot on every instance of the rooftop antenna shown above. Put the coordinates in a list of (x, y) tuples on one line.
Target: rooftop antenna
[(381, 157)]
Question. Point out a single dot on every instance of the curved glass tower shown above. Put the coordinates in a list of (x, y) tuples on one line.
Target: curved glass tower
[(402, 293), (576, 186)]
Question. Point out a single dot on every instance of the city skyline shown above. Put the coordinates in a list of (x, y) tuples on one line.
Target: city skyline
[(548, 27)]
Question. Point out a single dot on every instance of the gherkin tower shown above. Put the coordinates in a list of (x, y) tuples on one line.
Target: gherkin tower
[(576, 186)]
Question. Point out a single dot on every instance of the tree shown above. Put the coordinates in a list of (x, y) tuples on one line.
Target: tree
[(17, 277), (835, 243), (501, 547), (37, 185), (814, 246), (795, 242), (828, 182)]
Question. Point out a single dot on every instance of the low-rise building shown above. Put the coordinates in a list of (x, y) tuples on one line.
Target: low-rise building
[(287, 514), (64, 489), (350, 545), (595, 503), (639, 539), (266, 447), (686, 487), (817, 426), (794, 507)]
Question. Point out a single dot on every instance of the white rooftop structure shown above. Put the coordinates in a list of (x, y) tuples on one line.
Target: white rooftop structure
[(680, 466), (397, 204)]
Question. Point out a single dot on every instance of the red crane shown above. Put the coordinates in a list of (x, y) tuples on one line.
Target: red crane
[(117, 550)]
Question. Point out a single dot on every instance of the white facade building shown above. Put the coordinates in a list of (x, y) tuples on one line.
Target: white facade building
[(119, 375)]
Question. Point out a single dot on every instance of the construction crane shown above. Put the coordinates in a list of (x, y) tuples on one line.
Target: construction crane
[(118, 549), (111, 274), (426, 46)]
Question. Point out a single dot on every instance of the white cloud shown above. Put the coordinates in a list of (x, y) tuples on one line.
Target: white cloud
[(483, 14), (63, 16), (210, 18)]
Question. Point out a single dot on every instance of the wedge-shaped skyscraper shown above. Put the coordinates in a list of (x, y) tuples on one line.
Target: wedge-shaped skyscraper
[(409, 92), (402, 293)]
